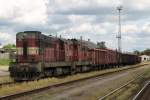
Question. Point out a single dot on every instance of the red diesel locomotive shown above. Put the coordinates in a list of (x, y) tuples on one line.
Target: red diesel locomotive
[(39, 56)]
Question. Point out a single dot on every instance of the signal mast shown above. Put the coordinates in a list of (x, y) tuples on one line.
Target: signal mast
[(119, 8)]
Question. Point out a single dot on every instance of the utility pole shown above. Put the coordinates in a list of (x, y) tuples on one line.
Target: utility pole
[(119, 8)]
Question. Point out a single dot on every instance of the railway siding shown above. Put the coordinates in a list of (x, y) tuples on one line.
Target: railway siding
[(134, 89)]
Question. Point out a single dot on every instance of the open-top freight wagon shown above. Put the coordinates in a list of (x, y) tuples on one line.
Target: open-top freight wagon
[(39, 56)]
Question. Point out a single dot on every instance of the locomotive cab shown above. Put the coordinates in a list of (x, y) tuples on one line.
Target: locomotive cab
[(27, 64)]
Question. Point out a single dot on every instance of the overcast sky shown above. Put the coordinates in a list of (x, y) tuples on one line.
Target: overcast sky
[(94, 19)]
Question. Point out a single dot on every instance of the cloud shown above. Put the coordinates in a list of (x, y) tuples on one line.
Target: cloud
[(6, 38), (24, 11), (139, 5), (94, 19), (84, 7)]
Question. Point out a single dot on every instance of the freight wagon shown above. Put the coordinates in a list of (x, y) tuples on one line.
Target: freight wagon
[(39, 56)]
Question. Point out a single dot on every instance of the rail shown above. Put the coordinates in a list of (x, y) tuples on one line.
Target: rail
[(117, 89), (141, 92), (6, 83)]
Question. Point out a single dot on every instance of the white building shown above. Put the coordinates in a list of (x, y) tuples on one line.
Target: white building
[(145, 58)]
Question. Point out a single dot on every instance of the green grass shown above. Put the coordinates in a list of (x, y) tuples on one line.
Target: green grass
[(4, 62)]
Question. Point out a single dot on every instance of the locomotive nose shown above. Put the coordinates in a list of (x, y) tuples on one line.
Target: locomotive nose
[(25, 71)]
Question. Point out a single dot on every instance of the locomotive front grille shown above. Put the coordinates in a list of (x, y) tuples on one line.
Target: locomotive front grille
[(24, 71)]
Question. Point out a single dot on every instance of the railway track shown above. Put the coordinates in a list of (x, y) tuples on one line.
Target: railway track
[(119, 88), (143, 94), (20, 94), (3, 76), (4, 70), (6, 83)]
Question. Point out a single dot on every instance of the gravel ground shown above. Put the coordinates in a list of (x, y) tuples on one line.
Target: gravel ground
[(88, 90)]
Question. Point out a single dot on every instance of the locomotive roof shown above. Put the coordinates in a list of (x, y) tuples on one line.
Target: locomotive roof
[(52, 38), (28, 34), (88, 44), (44, 37), (32, 32)]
